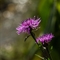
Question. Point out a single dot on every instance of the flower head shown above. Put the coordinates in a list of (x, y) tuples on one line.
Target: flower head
[(45, 38), (27, 25)]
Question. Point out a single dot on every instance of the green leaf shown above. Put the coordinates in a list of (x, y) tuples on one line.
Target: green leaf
[(39, 56), (48, 58), (51, 47)]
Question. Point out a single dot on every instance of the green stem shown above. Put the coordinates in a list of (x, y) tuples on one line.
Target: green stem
[(33, 37), (46, 52)]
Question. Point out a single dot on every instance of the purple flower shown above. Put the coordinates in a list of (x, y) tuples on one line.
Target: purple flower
[(45, 38), (27, 25)]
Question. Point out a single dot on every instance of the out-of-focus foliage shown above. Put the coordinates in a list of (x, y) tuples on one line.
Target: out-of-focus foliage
[(12, 12)]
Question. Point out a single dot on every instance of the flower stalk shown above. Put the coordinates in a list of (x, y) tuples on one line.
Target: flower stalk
[(33, 37), (45, 51)]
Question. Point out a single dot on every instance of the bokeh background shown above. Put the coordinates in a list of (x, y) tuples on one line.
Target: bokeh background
[(12, 13)]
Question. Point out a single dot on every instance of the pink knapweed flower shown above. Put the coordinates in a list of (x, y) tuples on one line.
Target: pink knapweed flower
[(27, 25), (45, 38)]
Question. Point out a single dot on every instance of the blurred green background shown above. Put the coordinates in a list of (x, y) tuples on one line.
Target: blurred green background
[(12, 13)]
